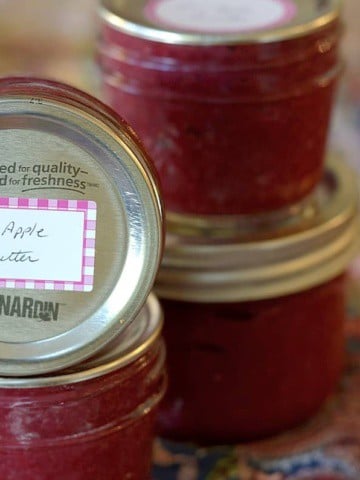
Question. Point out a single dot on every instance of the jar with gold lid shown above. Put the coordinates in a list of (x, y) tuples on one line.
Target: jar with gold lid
[(231, 98), (255, 316), (93, 420), (81, 229)]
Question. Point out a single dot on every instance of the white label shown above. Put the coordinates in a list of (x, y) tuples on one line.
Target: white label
[(220, 16), (47, 244)]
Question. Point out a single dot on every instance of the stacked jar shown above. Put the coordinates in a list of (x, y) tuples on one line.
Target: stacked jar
[(81, 226), (233, 100)]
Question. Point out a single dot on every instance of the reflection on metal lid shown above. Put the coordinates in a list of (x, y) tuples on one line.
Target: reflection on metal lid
[(80, 226)]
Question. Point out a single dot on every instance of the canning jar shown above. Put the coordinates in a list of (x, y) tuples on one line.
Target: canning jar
[(255, 317), (231, 98), (95, 420)]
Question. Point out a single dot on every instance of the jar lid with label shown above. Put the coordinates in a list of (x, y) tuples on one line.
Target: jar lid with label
[(264, 256), (195, 22), (81, 226)]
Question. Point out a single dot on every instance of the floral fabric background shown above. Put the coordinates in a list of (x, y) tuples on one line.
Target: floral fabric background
[(54, 39)]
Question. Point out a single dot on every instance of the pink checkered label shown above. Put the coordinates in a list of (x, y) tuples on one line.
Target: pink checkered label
[(47, 244)]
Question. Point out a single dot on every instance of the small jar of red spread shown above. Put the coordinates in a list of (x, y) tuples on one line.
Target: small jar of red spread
[(232, 98), (254, 317), (93, 421), (81, 229)]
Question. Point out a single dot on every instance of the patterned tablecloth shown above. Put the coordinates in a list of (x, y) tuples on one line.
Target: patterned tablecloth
[(56, 39)]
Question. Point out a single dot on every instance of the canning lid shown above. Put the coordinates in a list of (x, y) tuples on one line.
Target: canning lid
[(218, 22), (137, 338), (80, 226), (225, 262)]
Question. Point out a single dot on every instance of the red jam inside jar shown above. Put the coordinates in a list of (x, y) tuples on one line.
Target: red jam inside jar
[(93, 421), (235, 124), (247, 370), (254, 316)]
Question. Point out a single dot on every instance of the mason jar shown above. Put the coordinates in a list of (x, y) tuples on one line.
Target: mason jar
[(94, 420), (231, 98), (254, 316), (81, 228)]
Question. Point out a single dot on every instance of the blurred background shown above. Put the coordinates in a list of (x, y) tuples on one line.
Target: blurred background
[(57, 40), (49, 38)]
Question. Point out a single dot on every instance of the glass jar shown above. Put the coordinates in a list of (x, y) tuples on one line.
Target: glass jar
[(233, 108), (255, 320), (94, 420)]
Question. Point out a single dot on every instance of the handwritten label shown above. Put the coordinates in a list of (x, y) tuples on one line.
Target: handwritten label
[(47, 244), (220, 16)]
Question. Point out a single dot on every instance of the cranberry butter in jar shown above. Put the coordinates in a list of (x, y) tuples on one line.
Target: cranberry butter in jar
[(81, 229), (232, 98), (255, 317), (92, 421)]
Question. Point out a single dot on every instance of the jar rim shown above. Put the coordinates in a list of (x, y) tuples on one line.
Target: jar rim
[(209, 260), (130, 18)]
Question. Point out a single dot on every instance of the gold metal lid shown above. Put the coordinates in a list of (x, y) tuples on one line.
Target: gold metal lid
[(80, 226), (126, 348), (218, 22), (266, 259)]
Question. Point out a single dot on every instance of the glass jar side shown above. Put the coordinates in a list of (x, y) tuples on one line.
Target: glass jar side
[(247, 370), (101, 427), (223, 121)]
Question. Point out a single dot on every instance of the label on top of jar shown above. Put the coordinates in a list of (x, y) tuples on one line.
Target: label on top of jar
[(47, 244), (221, 16)]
